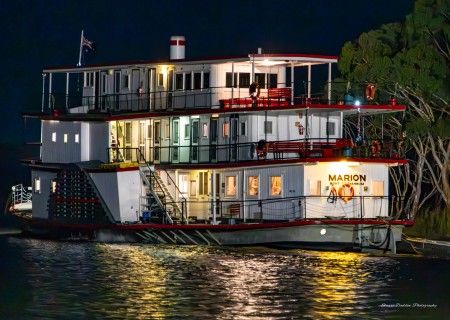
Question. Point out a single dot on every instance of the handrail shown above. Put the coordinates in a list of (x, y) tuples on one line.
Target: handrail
[(321, 148), (211, 97)]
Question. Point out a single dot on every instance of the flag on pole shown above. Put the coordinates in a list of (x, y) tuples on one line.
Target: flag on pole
[(87, 44)]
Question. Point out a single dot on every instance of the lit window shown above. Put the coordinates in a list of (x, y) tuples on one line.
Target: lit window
[(268, 127), (230, 186), (204, 130), (54, 136), (65, 137), (378, 188), (226, 129), (183, 183), (275, 186), (253, 186), (37, 185), (203, 183), (77, 138), (53, 186), (315, 187)]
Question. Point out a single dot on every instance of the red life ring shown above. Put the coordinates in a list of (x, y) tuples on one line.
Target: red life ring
[(370, 91)]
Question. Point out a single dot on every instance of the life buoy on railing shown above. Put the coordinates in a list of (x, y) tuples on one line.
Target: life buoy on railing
[(370, 91), (346, 192), (376, 148)]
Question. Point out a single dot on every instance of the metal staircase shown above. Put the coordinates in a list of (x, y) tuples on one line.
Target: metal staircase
[(157, 196)]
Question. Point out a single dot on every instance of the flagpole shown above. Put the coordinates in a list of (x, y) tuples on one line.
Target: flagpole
[(81, 48)]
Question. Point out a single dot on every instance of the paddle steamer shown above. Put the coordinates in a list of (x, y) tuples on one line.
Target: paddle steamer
[(215, 151)]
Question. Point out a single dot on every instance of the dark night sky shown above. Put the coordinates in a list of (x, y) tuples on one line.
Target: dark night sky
[(46, 33)]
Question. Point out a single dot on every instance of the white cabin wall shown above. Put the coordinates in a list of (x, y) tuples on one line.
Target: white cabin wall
[(106, 183), (130, 184), (40, 199), (58, 151), (120, 191), (320, 207)]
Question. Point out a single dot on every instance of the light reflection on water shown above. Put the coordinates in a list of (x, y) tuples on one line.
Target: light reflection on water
[(118, 281)]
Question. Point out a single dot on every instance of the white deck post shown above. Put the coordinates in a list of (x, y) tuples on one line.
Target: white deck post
[(309, 81), (67, 90), (214, 191), (292, 83), (50, 91), (329, 83), (253, 68), (232, 84), (43, 91)]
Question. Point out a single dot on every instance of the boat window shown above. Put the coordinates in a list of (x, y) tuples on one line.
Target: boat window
[(273, 80), (156, 153), (315, 187), (197, 80), (195, 131), (276, 186), (226, 129), (260, 79), (204, 130), (377, 188), (157, 133), (37, 185), (331, 128), (54, 136), (53, 186), (88, 79), (179, 81), (77, 138), (214, 130), (253, 185), (203, 183), (206, 84), (127, 132), (126, 81), (104, 82), (229, 82), (167, 131), (244, 80), (268, 127), (175, 131), (188, 81), (66, 137), (187, 131), (183, 183), (243, 129), (230, 186), (160, 80)]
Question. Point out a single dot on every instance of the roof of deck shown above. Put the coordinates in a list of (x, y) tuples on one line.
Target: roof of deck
[(295, 59)]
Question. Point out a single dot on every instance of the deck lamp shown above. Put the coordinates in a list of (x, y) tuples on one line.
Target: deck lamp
[(357, 102)]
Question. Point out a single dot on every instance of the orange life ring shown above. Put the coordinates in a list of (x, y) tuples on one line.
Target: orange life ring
[(346, 192), (376, 148), (370, 91)]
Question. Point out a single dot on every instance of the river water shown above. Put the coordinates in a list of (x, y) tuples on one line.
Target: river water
[(64, 280)]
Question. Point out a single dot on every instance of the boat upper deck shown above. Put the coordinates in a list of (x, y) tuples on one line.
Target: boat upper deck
[(251, 83)]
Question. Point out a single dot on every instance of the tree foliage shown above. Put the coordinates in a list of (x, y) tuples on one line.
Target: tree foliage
[(410, 61)]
